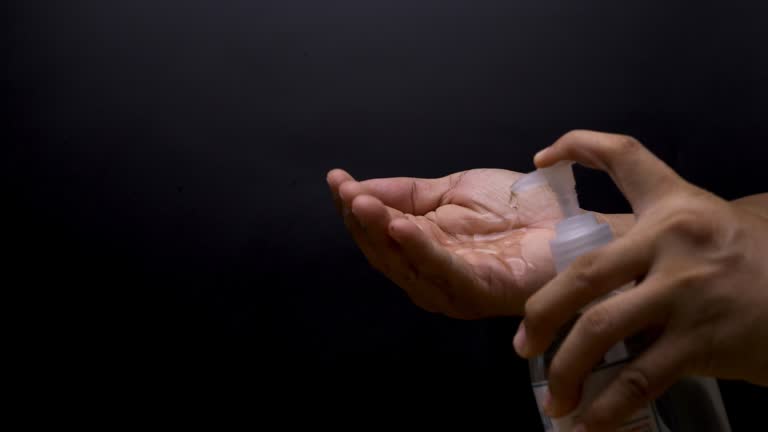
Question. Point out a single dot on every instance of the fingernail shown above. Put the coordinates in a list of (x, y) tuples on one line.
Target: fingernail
[(540, 154), (520, 339), (580, 428)]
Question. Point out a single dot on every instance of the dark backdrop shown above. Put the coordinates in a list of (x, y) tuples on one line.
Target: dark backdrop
[(168, 157)]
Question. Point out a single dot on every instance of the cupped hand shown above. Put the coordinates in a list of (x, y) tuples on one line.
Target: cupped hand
[(703, 272), (462, 245)]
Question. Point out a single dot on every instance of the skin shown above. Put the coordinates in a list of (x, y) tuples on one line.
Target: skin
[(460, 246), (703, 290)]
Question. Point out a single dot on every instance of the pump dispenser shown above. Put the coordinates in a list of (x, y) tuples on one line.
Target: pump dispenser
[(578, 233), (684, 407)]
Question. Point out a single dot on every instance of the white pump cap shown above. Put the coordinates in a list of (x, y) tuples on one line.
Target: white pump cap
[(578, 233)]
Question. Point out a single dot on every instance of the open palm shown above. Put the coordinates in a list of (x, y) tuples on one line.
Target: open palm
[(462, 245)]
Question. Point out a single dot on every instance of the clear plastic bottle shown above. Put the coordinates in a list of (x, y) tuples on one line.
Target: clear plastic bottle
[(693, 404)]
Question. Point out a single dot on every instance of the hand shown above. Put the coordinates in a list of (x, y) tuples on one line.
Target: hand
[(460, 245), (703, 273)]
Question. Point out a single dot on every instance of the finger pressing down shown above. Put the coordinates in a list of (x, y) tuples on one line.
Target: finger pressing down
[(638, 384), (588, 278), (595, 338)]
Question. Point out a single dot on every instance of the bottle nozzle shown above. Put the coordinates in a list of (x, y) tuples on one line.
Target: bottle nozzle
[(561, 180), (576, 233)]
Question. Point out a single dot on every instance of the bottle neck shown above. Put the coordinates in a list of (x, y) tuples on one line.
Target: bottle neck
[(576, 236)]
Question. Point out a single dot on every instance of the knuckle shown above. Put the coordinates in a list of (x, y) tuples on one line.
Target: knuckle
[(566, 142), (693, 225), (583, 271), (572, 136), (611, 148), (625, 144), (619, 147), (635, 385), (597, 321)]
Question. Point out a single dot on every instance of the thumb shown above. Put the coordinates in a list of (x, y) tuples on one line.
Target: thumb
[(642, 177)]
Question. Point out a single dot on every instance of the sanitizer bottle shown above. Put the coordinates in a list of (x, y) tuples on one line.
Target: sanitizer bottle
[(693, 404)]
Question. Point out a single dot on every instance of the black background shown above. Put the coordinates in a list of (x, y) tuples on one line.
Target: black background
[(170, 156)]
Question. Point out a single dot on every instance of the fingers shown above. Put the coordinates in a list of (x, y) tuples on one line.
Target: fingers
[(439, 269), (335, 179), (586, 279), (347, 192), (368, 221), (410, 195), (641, 176), (415, 196), (375, 219), (637, 384), (597, 336), (372, 214)]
